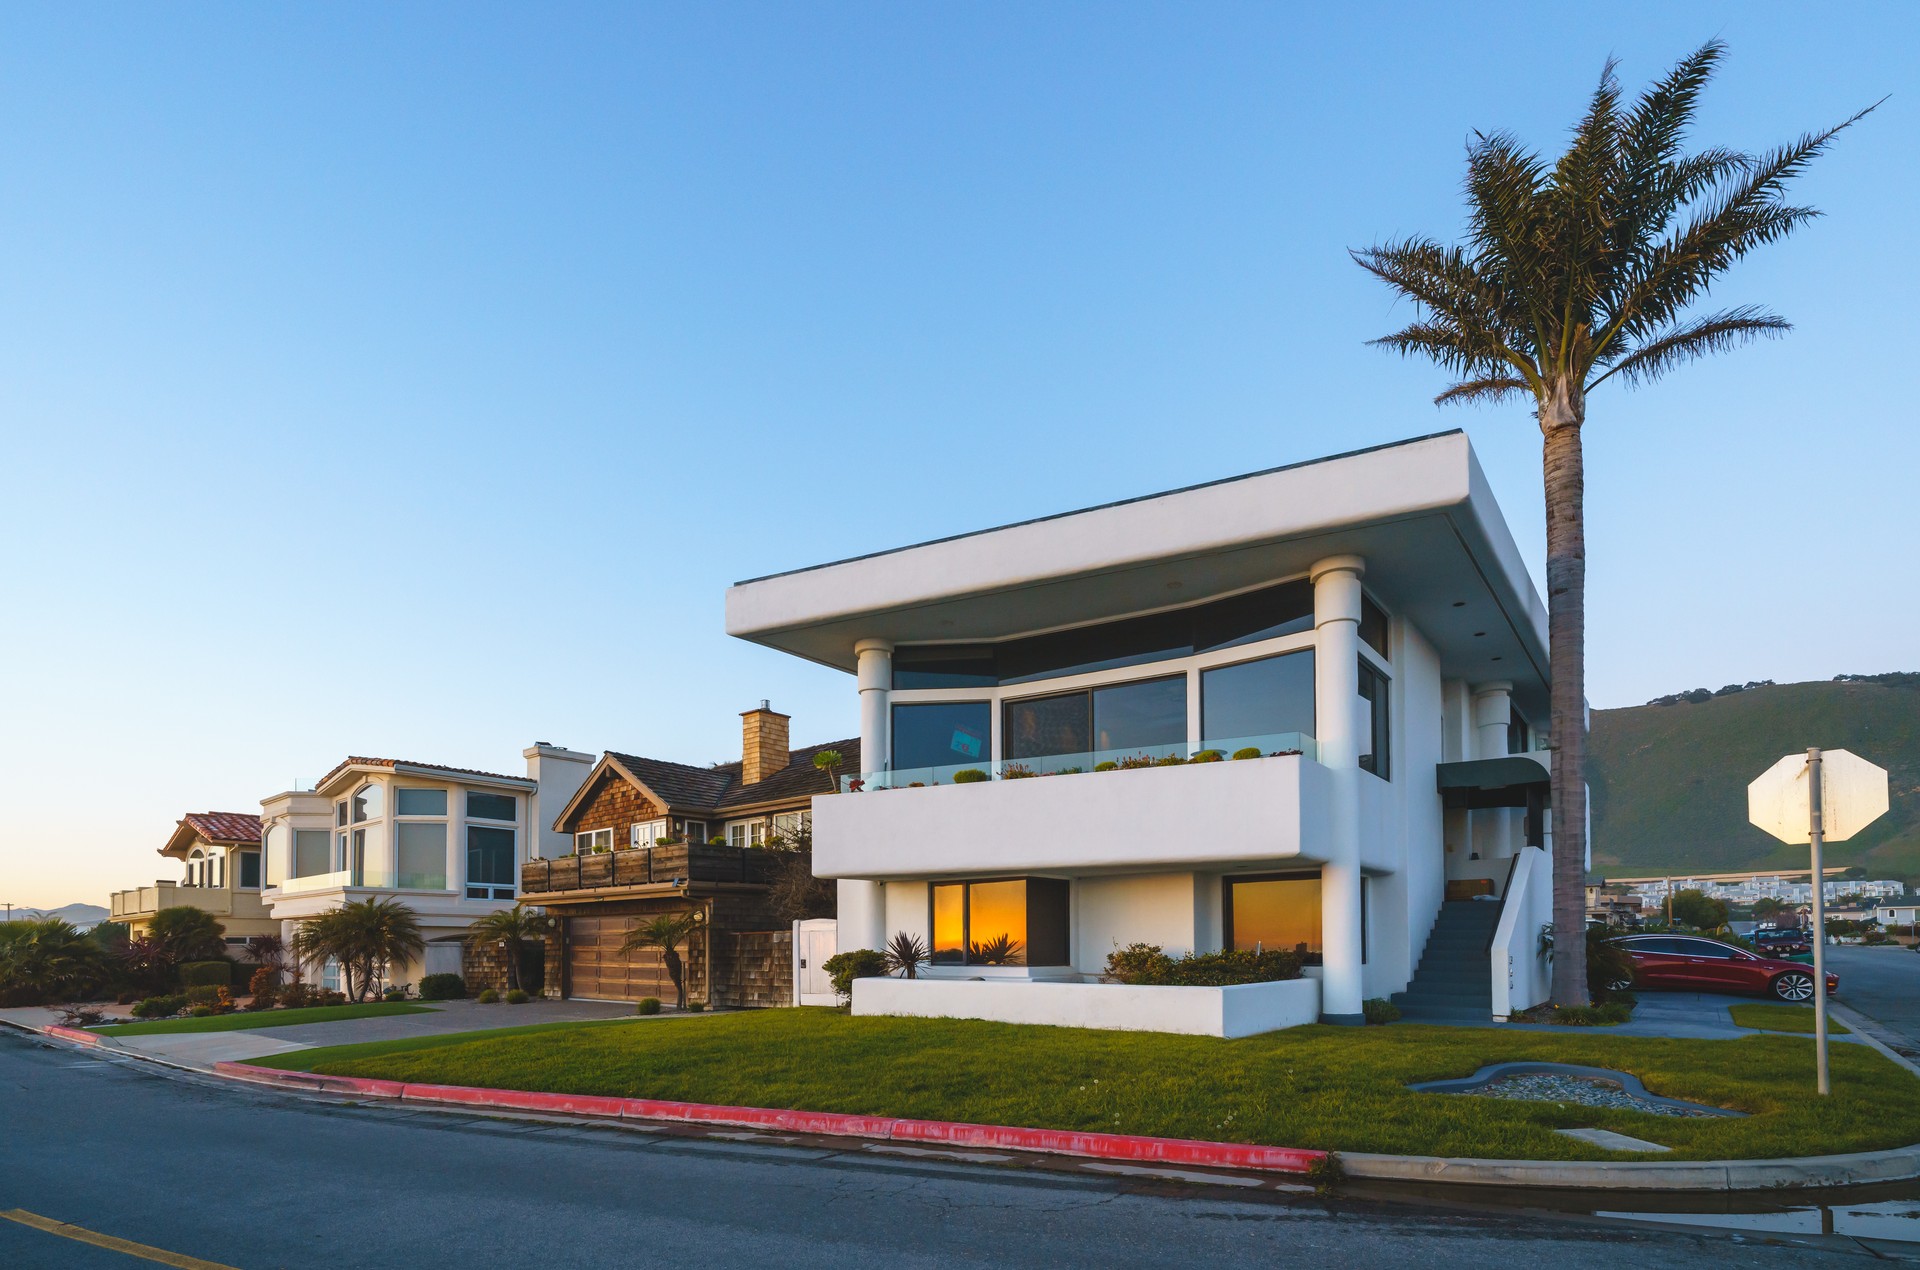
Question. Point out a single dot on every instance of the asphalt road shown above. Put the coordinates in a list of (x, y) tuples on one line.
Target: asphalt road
[(254, 1179), (1881, 983)]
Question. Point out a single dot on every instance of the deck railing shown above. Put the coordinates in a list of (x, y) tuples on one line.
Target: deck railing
[(647, 866)]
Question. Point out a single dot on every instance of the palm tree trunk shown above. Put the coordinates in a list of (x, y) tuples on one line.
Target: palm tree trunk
[(1561, 419)]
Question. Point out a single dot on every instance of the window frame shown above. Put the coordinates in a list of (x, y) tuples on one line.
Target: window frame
[(1315, 876), (754, 833), (592, 836), (646, 834), (1026, 880)]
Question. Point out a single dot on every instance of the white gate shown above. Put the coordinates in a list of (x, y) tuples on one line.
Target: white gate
[(814, 940)]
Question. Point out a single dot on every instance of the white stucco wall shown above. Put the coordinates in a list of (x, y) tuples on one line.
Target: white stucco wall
[(1240, 1010), (1154, 908)]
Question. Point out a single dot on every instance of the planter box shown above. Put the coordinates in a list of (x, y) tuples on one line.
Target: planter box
[(1241, 1010)]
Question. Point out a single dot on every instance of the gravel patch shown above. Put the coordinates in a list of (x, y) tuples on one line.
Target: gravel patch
[(1583, 1091)]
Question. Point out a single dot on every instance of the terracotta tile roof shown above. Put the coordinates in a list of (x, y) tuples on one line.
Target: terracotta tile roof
[(358, 761), (224, 826), (718, 788)]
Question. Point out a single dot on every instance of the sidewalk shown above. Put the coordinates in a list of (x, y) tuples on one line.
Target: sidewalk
[(1687, 1016)]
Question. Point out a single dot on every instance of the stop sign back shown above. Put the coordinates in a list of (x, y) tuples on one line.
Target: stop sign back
[(1853, 794)]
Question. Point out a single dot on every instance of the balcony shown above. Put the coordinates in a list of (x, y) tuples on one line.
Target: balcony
[(1269, 745), (1271, 809), (141, 902), (664, 866)]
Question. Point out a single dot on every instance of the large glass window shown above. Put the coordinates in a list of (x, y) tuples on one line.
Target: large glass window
[(1080, 728), (1376, 751), (368, 803), (490, 806), (250, 870), (1516, 732), (1265, 913), (1255, 700), (1373, 627), (1015, 922), (941, 734), (1285, 609), (420, 855), (420, 802), (489, 863)]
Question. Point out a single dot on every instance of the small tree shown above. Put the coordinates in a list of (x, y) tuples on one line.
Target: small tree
[(188, 934), (829, 761), (667, 932), (1698, 910), (363, 936), (794, 893), (513, 927)]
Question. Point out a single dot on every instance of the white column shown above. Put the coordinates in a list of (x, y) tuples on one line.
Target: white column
[(1493, 828), (1336, 690), (862, 906)]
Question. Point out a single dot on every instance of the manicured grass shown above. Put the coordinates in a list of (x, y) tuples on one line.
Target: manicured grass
[(253, 1021), (1785, 1018), (1325, 1087)]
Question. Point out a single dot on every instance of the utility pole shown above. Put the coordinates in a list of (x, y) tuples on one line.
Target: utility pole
[(1816, 838)]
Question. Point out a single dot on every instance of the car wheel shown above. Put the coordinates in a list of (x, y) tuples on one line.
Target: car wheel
[(1620, 985), (1794, 986)]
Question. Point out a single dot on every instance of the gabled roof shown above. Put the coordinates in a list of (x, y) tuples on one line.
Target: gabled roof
[(227, 828), (683, 789), (401, 764)]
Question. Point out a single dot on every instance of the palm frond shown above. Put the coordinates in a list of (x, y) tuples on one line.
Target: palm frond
[(1698, 337), (1489, 389)]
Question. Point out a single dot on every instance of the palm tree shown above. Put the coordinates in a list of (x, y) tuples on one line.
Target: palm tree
[(667, 932), (1572, 274), (512, 927), (363, 936), (829, 761), (188, 934), (46, 959)]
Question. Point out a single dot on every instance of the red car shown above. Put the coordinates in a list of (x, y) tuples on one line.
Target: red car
[(1694, 964)]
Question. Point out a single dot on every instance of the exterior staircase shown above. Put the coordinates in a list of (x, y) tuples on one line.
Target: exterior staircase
[(1454, 983)]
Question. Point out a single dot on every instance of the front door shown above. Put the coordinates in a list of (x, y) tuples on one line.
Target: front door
[(814, 942)]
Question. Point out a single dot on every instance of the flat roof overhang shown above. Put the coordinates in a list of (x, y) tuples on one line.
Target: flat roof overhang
[(1420, 512)]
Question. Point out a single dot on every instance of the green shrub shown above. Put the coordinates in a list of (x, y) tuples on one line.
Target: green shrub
[(197, 974), (204, 994), (160, 1007), (1379, 1010), (1016, 772), (1106, 765), (517, 996), (1603, 1015), (649, 1005), (487, 996), (694, 1007), (295, 996), (326, 996), (201, 1012), (1170, 760), (860, 963), (1247, 751), (1146, 964), (264, 986), (398, 992), (1208, 756), (443, 987), (969, 776)]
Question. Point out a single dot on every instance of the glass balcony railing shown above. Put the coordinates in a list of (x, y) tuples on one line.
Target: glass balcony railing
[(1224, 750), (365, 879)]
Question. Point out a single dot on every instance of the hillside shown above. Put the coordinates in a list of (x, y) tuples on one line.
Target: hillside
[(1670, 780), (78, 914)]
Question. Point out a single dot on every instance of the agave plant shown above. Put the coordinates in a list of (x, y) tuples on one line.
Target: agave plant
[(904, 953)]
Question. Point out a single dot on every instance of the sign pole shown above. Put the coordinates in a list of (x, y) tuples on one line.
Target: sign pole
[(1816, 834)]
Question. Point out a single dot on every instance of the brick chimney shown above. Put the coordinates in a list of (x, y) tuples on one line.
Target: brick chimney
[(763, 743)]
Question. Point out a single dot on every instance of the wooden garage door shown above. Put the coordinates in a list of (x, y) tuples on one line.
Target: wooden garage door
[(602, 971)]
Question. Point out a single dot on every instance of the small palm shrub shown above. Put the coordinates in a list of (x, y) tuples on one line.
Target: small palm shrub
[(649, 1005), (443, 987), (904, 954)]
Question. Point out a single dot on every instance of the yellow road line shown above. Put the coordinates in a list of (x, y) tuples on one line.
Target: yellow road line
[(68, 1230)]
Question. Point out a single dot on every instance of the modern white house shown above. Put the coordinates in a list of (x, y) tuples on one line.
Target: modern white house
[(1349, 653), (447, 842)]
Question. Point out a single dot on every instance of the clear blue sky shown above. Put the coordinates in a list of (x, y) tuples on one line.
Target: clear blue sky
[(412, 380)]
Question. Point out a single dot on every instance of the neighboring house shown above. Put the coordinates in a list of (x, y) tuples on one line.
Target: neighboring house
[(219, 852), (1363, 625), (1901, 912), (652, 837), (447, 842)]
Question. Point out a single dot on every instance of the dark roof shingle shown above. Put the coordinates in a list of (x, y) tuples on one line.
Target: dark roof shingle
[(718, 788)]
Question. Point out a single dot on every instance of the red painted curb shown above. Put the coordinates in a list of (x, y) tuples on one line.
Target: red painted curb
[(1100, 1146), (73, 1034)]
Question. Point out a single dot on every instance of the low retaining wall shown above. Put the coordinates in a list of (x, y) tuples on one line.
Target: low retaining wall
[(1103, 1146), (1241, 1009)]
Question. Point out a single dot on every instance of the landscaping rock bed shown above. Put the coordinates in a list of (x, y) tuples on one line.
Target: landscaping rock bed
[(1566, 1083)]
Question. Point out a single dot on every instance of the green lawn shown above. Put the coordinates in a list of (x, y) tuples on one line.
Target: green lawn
[(1784, 1018), (1325, 1087), (253, 1021)]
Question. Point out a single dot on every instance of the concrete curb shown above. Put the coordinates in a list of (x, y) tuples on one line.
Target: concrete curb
[(1134, 1148), (1697, 1175)]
